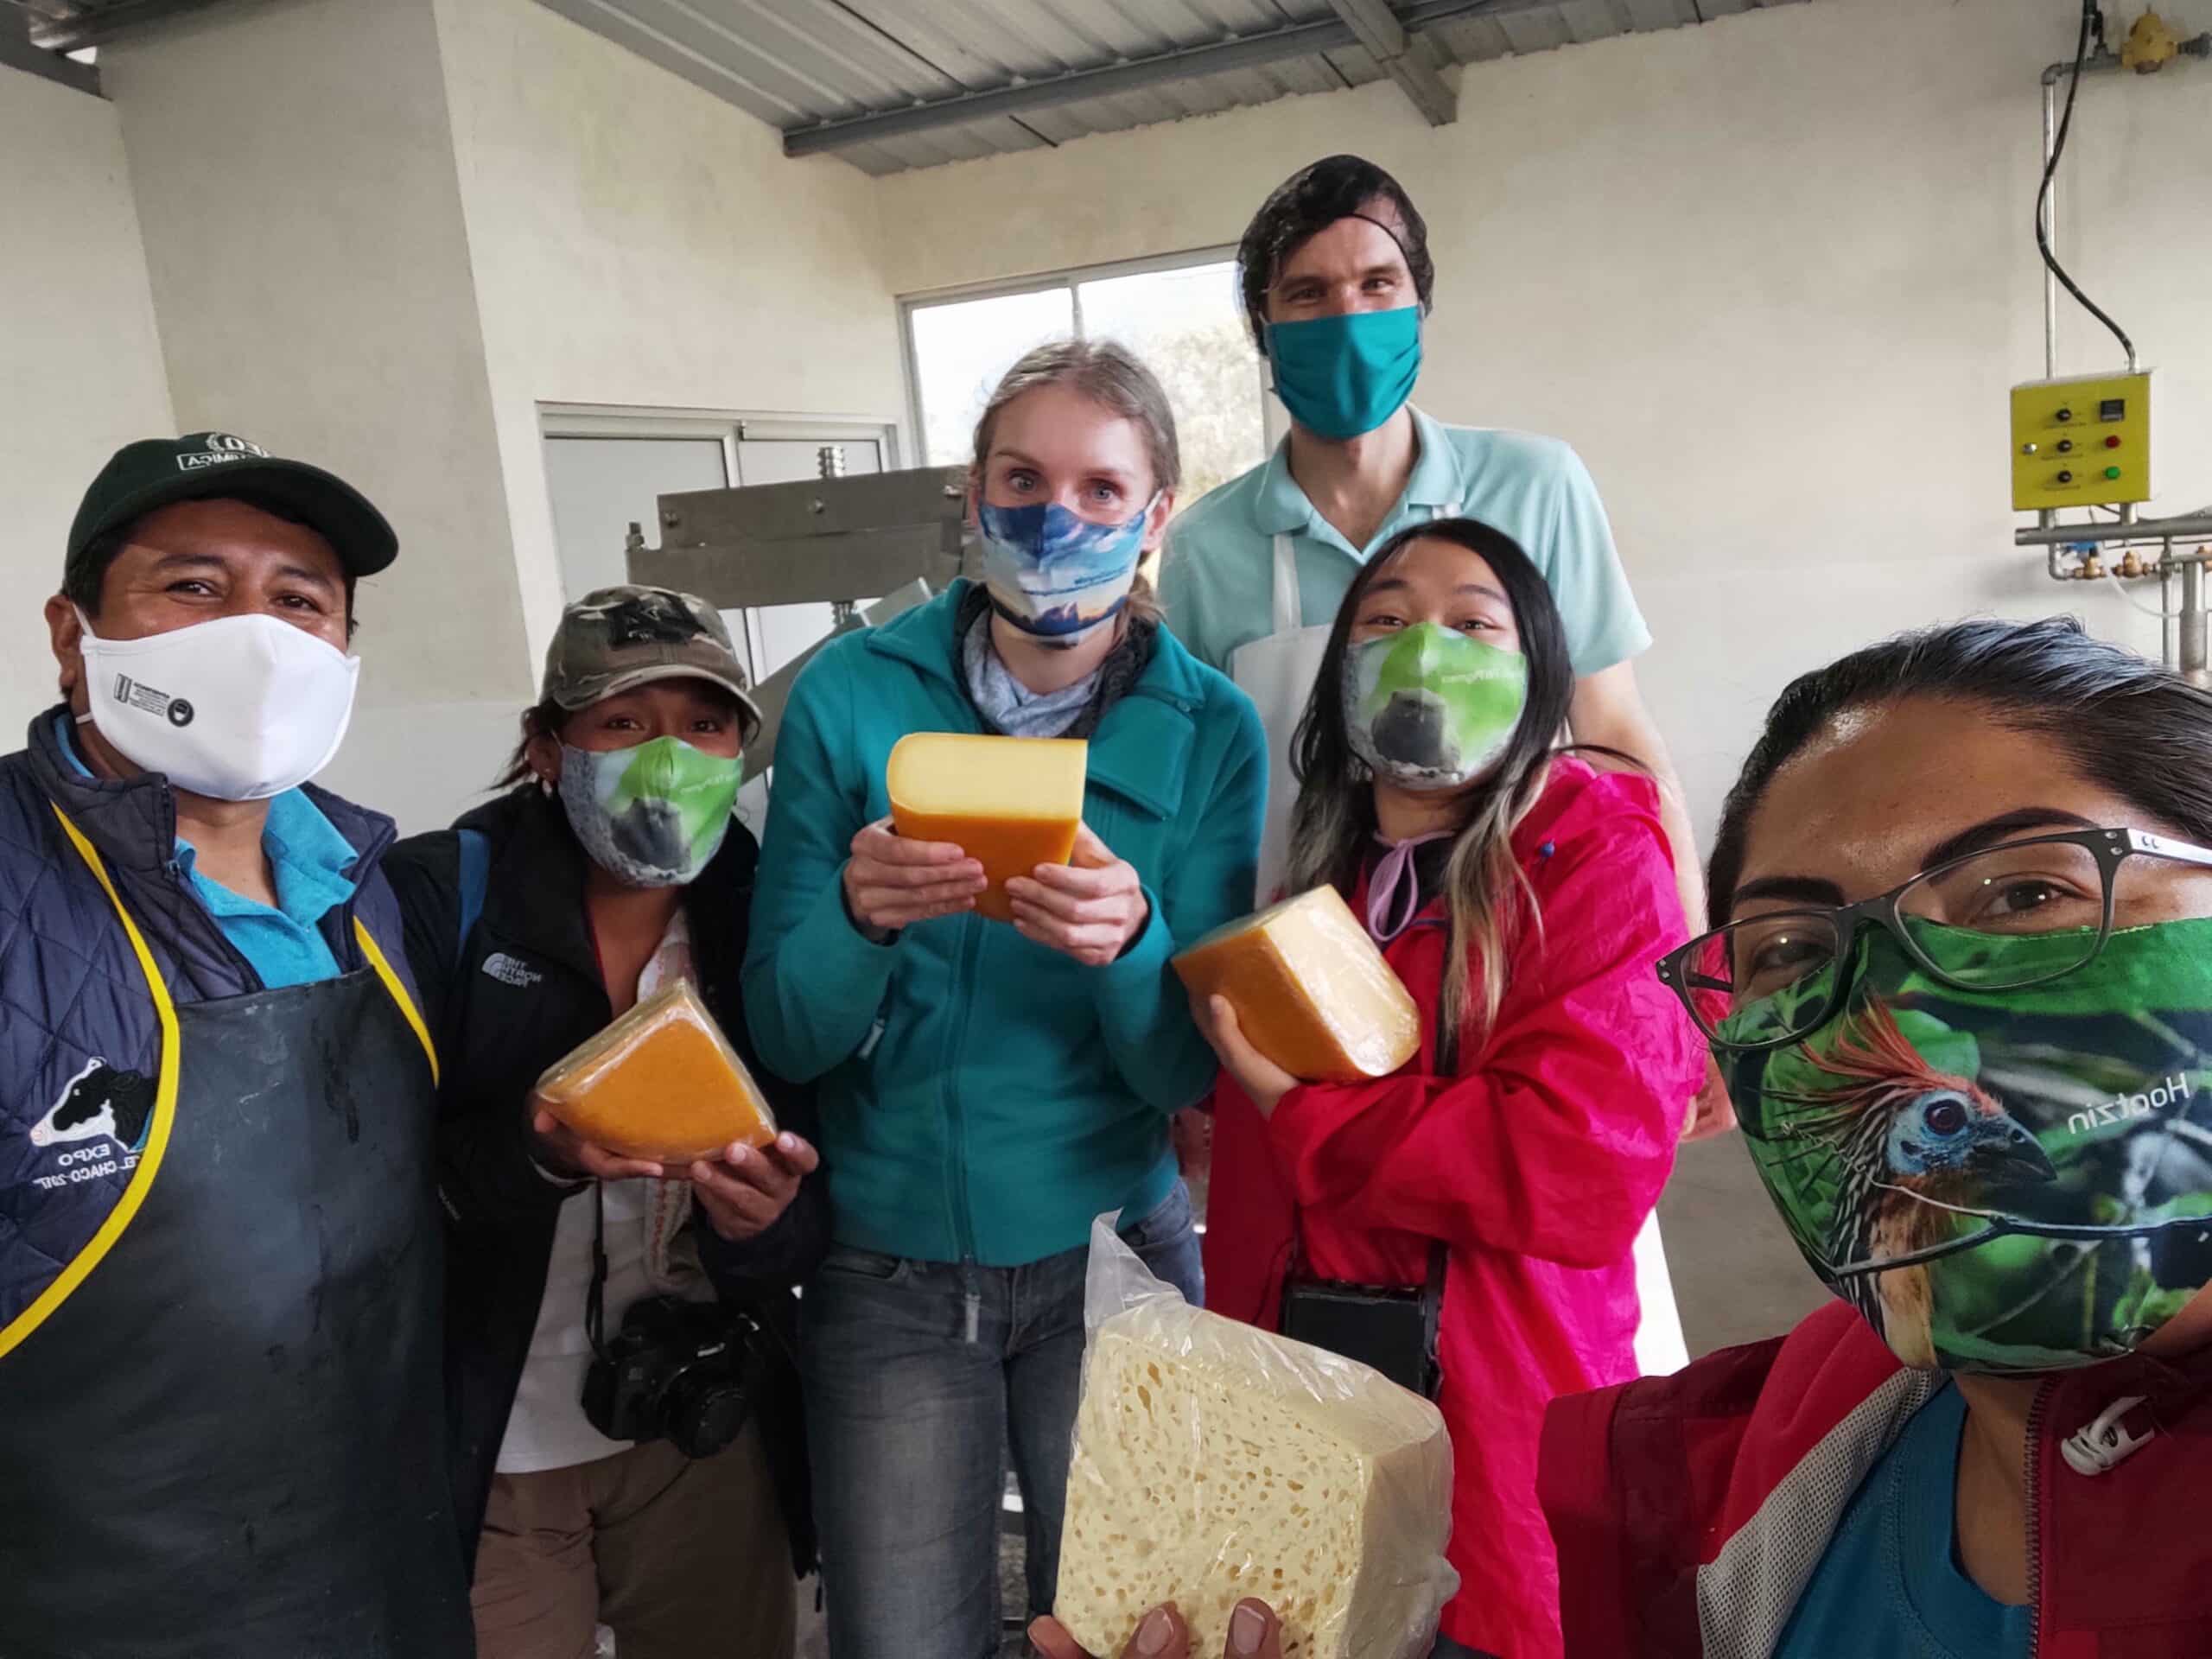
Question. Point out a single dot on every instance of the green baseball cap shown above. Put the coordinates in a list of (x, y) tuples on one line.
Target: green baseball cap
[(617, 639), (210, 466)]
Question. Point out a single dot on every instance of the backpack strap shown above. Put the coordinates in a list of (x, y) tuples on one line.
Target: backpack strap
[(475, 876)]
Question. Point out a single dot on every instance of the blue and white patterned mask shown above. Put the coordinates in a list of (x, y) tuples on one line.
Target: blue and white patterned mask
[(1054, 574)]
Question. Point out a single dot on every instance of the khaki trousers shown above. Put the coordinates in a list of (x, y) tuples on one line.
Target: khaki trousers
[(683, 1560)]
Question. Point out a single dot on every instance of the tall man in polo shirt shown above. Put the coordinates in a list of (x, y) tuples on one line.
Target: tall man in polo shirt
[(220, 1265), (1337, 280)]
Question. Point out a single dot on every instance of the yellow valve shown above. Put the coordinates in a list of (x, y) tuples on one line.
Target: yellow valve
[(2150, 45)]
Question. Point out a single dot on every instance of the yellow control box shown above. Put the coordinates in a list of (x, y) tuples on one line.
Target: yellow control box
[(2081, 442)]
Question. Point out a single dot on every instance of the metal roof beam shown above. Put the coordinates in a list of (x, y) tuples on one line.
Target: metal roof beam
[(1400, 57), (16, 52), (91, 28), (1222, 57)]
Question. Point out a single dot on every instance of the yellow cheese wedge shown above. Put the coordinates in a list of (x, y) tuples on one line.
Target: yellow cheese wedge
[(1213, 1462), (1009, 803), (661, 1083), (1311, 991)]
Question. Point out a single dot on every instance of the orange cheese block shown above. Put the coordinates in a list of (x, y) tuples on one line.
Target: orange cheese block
[(1311, 991), (1009, 803), (661, 1083)]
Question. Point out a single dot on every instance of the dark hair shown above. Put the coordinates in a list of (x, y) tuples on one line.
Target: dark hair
[(1333, 824), (2138, 730), (544, 718), (1308, 203), (84, 578)]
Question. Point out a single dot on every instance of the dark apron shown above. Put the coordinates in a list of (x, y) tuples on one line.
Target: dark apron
[(228, 1438)]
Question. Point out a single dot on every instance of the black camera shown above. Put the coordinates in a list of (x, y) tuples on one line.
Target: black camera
[(685, 1372)]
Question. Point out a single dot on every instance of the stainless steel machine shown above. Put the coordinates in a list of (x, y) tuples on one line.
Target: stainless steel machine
[(839, 540)]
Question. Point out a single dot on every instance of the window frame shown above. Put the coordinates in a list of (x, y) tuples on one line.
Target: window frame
[(727, 427), (1273, 422), (730, 428)]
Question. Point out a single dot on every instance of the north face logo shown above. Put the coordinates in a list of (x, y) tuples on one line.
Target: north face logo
[(505, 969)]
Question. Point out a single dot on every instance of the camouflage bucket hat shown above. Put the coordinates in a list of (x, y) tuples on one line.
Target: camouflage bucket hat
[(618, 638)]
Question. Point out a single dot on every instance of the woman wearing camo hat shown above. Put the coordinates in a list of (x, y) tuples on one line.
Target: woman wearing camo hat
[(610, 866)]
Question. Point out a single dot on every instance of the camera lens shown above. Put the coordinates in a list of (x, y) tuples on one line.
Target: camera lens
[(706, 1408)]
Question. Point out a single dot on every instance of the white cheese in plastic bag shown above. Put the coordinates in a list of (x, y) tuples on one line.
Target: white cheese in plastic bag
[(1215, 1461)]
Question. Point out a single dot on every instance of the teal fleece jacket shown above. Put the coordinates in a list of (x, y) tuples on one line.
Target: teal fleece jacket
[(983, 1098)]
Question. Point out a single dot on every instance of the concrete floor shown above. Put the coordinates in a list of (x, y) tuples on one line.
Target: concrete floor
[(1736, 1276)]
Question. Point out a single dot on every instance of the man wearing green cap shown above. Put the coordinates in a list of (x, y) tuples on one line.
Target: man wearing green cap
[(220, 1274)]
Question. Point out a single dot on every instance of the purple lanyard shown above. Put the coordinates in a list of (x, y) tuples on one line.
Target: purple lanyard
[(1394, 891)]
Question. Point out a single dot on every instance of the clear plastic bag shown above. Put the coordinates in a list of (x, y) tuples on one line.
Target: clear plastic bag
[(660, 1083), (1214, 1461), (1311, 990)]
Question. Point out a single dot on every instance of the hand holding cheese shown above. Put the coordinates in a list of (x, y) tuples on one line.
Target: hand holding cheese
[(661, 1084), (1310, 990), (891, 881), (1009, 804), (1263, 1082), (745, 1191), (1254, 1632), (1214, 1461), (1090, 907)]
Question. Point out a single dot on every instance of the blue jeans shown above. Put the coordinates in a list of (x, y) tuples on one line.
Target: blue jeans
[(908, 1412)]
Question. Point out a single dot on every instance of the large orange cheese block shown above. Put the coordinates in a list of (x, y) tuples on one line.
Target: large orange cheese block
[(661, 1083), (1009, 803), (1311, 991)]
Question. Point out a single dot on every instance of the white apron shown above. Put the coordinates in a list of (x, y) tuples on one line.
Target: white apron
[(1277, 671)]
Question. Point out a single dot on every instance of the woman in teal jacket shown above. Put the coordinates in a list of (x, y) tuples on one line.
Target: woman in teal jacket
[(988, 1089)]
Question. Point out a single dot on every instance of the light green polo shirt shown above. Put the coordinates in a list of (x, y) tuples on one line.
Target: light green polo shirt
[(1217, 580)]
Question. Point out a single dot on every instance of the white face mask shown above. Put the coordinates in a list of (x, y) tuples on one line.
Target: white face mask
[(237, 709)]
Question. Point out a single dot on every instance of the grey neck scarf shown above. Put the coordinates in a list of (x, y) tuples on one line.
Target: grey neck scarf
[(1011, 707)]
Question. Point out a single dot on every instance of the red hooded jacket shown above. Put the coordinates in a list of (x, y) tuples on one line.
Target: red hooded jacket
[(1691, 1510), (1536, 1164)]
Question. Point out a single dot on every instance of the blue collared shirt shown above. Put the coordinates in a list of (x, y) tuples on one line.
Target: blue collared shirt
[(1217, 580), (311, 863)]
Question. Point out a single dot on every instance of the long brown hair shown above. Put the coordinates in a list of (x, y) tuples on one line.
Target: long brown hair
[(1488, 897)]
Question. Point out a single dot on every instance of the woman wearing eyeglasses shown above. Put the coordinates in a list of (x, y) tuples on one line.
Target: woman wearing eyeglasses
[(1963, 998)]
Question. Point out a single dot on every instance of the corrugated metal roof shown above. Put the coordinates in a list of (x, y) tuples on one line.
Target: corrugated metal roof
[(797, 63)]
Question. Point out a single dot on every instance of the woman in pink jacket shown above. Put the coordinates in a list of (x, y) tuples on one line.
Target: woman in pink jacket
[(1522, 896)]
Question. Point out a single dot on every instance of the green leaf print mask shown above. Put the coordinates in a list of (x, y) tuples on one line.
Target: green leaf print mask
[(654, 815), (1431, 707), (2001, 1181)]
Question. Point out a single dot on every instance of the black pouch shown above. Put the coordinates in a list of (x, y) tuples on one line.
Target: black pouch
[(1393, 1331)]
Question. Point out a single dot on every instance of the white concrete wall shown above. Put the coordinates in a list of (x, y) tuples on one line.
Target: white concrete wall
[(638, 242), (1771, 275), (293, 163), (80, 368)]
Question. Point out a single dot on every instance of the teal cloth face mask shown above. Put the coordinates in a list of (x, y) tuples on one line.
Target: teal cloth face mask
[(1343, 376), (1431, 707), (655, 815), (2000, 1181)]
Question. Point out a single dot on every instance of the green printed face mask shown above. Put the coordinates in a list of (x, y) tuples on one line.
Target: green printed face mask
[(655, 815), (1431, 707), (2012, 1180)]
